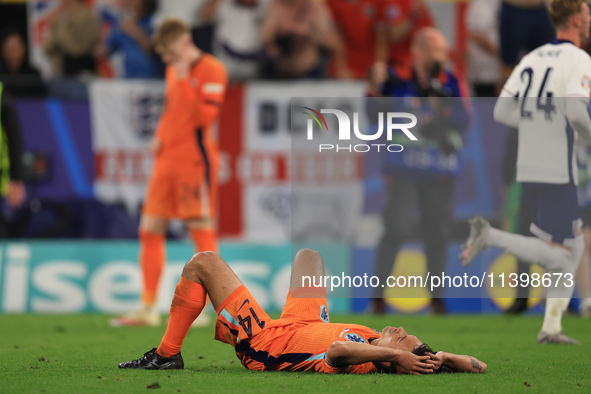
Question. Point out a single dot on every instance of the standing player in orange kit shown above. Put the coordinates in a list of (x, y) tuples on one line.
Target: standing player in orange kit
[(183, 183)]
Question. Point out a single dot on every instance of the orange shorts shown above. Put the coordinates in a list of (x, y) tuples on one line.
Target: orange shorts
[(259, 340), (306, 305), (185, 193)]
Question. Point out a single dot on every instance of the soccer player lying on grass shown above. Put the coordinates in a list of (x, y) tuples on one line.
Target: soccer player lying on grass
[(302, 339)]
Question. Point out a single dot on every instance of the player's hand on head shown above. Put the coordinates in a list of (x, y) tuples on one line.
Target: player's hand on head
[(154, 145), (436, 360), (409, 363), (182, 66)]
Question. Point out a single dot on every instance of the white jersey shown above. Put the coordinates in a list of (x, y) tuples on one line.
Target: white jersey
[(547, 76)]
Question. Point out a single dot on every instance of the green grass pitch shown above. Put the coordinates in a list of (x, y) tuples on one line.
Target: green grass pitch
[(79, 354)]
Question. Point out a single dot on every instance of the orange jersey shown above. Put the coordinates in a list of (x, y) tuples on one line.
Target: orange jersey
[(297, 341), (191, 107), (184, 180)]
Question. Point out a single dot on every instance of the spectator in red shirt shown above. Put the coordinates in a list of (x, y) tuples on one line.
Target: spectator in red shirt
[(293, 34), (404, 18), (360, 25)]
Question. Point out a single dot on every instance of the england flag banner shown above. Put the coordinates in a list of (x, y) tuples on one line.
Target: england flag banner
[(124, 118)]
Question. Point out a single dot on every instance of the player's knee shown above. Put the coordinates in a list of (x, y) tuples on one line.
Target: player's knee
[(309, 261), (152, 225), (308, 255), (200, 263)]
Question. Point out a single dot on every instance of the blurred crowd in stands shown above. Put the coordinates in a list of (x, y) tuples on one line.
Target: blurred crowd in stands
[(269, 39), (256, 39)]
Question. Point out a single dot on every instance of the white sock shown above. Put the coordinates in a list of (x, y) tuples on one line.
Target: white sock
[(558, 297), (531, 250), (553, 315), (585, 303), (555, 259)]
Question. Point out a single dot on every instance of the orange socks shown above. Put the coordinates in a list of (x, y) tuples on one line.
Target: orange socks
[(187, 304), (151, 261), (152, 257), (205, 239)]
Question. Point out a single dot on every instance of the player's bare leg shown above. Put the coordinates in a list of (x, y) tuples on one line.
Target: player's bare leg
[(204, 236), (553, 257), (214, 274), (584, 276), (307, 262), (206, 273), (151, 259)]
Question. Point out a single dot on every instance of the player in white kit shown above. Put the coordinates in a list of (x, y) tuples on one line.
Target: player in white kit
[(546, 98)]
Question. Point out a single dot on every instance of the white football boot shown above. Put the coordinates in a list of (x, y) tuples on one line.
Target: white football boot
[(144, 315), (476, 241), (558, 338)]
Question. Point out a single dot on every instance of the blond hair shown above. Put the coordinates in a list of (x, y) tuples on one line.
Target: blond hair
[(169, 30), (560, 11)]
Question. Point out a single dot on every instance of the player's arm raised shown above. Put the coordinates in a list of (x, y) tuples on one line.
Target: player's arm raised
[(450, 362), (352, 353)]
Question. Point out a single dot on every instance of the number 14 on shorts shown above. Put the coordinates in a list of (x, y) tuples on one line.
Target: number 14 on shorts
[(246, 323)]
